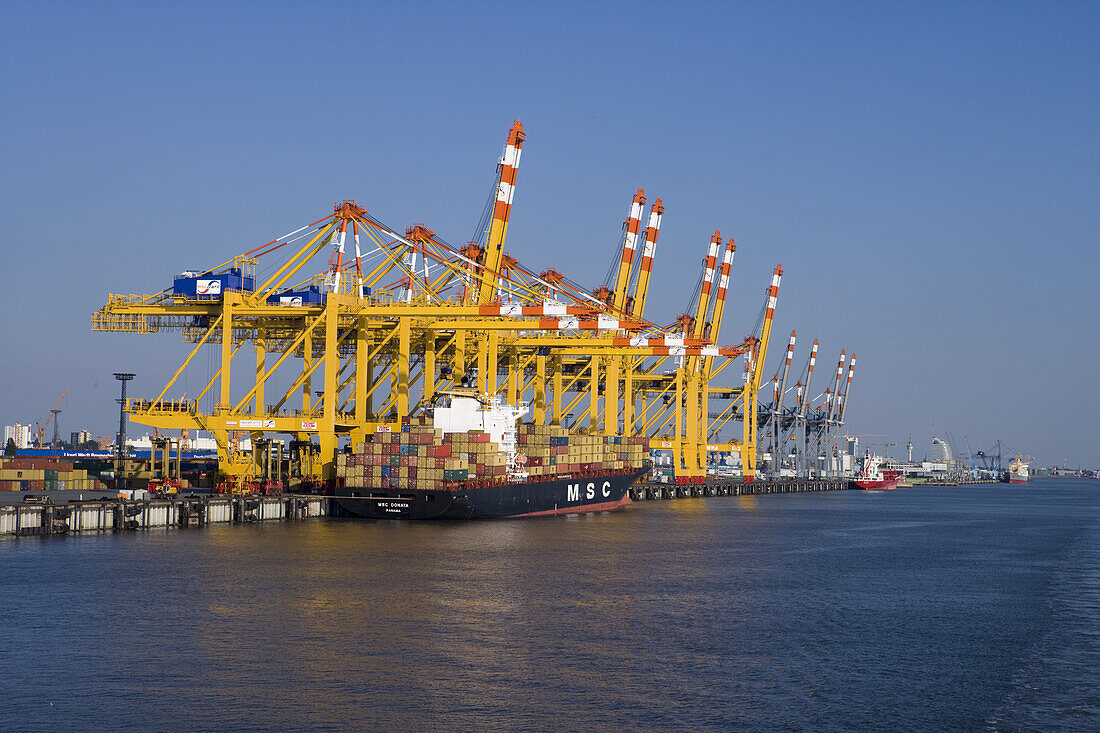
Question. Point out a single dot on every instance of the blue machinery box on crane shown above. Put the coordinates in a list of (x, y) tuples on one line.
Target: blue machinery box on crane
[(310, 296), (313, 295), (211, 285)]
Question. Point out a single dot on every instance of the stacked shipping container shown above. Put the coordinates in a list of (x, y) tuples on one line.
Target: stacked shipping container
[(42, 474), (421, 456)]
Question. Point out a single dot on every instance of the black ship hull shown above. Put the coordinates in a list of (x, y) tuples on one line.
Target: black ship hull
[(575, 494)]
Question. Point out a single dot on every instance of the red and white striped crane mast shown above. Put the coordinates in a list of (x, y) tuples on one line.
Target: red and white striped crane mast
[(502, 210), (645, 267), (631, 227), (803, 403), (695, 449), (755, 361), (714, 333), (830, 411), (847, 389), (777, 410)]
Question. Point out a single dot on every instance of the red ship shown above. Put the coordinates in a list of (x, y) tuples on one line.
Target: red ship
[(872, 478)]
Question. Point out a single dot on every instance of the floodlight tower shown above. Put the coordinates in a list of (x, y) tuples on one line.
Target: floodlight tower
[(56, 429), (124, 378)]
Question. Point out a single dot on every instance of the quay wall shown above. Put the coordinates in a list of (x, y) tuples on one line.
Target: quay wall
[(124, 514)]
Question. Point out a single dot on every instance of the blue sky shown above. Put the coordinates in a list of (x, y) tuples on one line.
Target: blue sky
[(927, 174)]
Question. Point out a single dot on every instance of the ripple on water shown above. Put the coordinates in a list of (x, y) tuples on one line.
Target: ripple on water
[(927, 609)]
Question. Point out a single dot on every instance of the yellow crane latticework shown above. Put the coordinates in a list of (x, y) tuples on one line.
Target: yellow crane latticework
[(372, 336)]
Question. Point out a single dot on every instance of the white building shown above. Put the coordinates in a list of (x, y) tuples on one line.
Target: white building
[(21, 434), (941, 451)]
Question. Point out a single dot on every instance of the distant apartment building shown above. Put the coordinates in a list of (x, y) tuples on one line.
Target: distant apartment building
[(105, 442), (80, 437), (21, 434)]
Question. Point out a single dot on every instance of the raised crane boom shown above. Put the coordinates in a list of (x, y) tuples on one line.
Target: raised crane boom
[(502, 209), (777, 408), (752, 386), (833, 397), (804, 400), (847, 389), (803, 403), (719, 303), (630, 242), (649, 246), (702, 307)]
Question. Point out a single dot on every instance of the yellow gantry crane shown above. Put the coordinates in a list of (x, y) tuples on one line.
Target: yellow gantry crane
[(370, 337)]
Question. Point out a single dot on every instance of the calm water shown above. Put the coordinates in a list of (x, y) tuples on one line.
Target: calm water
[(972, 608)]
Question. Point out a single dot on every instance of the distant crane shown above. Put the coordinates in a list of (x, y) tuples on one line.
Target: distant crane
[(40, 426), (885, 446), (885, 449)]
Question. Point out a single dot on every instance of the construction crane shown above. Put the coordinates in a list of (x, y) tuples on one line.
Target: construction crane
[(41, 425), (356, 346)]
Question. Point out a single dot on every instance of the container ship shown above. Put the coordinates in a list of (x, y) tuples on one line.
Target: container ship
[(1017, 472), (872, 477), (466, 458)]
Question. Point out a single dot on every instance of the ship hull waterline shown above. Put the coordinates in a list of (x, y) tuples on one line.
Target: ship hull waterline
[(879, 485), (575, 494)]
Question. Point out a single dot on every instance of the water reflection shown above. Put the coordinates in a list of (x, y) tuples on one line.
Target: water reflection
[(775, 612)]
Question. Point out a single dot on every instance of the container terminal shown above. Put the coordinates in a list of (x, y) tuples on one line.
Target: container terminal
[(364, 344), (352, 364)]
